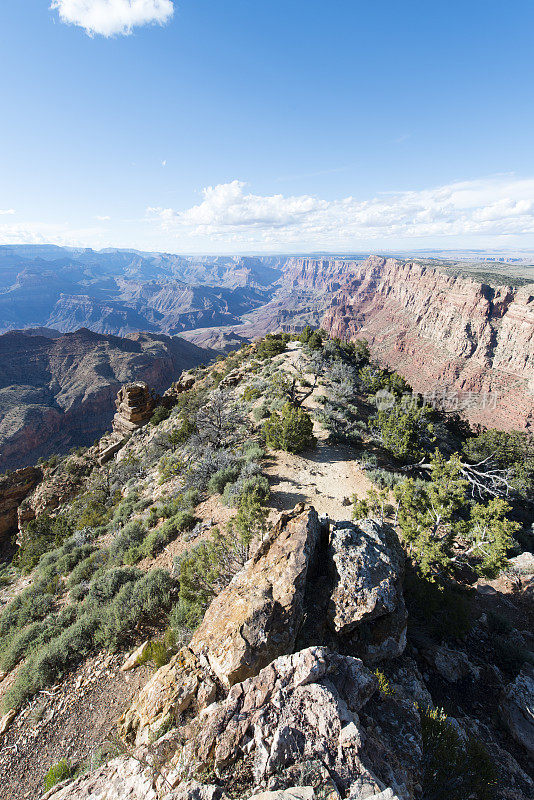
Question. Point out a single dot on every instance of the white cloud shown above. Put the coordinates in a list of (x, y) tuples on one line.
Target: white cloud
[(103, 218), (7, 211), (111, 17), (46, 233), (497, 206)]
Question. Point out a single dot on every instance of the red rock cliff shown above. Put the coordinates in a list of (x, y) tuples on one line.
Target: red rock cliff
[(443, 333)]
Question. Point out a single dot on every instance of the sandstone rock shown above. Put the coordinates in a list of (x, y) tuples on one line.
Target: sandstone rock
[(181, 684), (257, 617), (254, 620), (440, 332), (135, 405), (517, 709), (14, 488)]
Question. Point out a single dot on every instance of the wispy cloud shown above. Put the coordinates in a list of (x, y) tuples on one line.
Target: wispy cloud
[(112, 17), (6, 211), (495, 206), (102, 218)]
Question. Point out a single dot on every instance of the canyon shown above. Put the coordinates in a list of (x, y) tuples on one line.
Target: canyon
[(58, 391), (455, 339)]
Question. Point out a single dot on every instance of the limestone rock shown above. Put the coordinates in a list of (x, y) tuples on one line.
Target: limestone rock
[(135, 405), (517, 709), (369, 566), (299, 708)]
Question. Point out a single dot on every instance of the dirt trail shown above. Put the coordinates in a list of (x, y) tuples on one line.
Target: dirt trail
[(324, 476)]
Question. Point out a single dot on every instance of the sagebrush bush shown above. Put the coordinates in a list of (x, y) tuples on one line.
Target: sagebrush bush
[(57, 773)]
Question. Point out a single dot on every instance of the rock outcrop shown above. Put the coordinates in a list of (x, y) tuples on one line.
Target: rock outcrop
[(253, 621), (444, 334), (14, 488), (517, 709), (135, 405), (368, 565)]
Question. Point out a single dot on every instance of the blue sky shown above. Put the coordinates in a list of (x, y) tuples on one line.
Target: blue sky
[(283, 126)]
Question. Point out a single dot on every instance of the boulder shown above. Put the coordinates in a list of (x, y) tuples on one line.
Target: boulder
[(517, 709), (366, 605), (257, 617), (369, 566), (253, 621)]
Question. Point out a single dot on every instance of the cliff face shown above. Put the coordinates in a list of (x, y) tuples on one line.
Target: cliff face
[(58, 393), (448, 335)]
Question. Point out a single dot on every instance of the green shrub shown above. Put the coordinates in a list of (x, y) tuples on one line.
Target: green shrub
[(272, 345), (160, 413), (218, 481), (254, 484), (105, 586), (40, 535), (292, 430), (454, 769), (57, 773), (85, 569)]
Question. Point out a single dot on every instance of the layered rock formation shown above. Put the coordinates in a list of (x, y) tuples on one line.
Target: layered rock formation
[(467, 342), (135, 405), (59, 392), (14, 488)]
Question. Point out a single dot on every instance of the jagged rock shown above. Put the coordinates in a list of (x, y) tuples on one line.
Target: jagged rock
[(127, 778), (453, 665), (517, 709), (293, 793), (366, 601), (257, 617), (176, 687), (298, 708), (14, 488), (135, 405), (254, 620)]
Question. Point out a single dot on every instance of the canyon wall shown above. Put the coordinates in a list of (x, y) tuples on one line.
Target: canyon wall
[(466, 342)]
